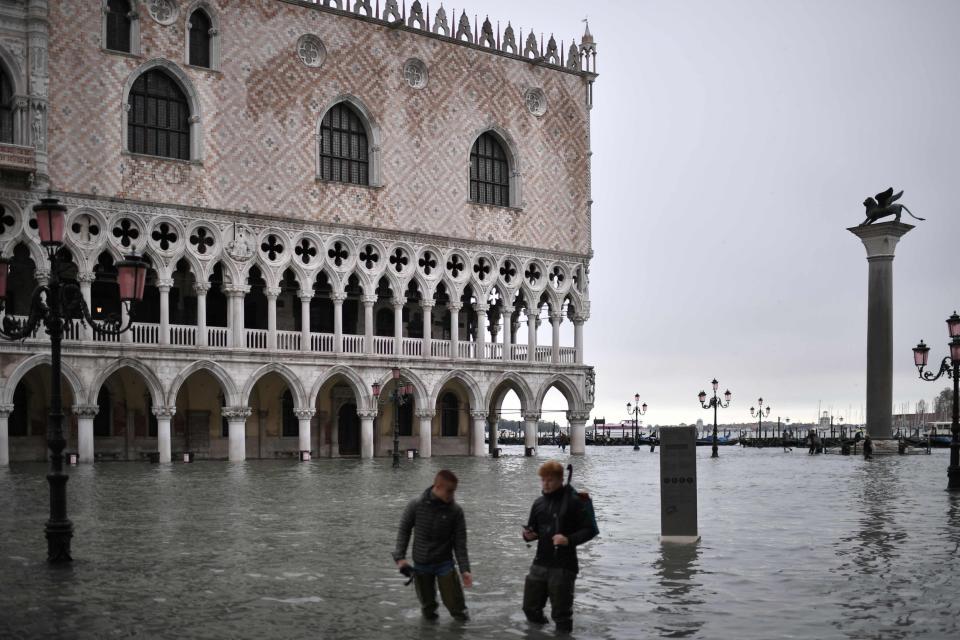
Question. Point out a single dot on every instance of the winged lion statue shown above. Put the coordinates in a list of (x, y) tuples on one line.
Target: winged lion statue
[(885, 204)]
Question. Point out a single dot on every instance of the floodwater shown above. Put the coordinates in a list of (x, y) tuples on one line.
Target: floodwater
[(793, 546)]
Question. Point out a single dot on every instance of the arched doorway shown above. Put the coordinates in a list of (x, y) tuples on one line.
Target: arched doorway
[(28, 422), (348, 430)]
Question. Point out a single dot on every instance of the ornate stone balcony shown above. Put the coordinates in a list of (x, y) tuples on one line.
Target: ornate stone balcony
[(17, 159)]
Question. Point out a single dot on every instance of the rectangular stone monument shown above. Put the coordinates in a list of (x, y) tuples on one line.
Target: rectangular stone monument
[(678, 484)]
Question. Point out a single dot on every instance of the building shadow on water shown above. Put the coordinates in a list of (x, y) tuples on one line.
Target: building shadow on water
[(679, 598)]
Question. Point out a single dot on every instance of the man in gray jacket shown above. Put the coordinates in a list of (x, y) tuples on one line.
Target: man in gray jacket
[(439, 533)]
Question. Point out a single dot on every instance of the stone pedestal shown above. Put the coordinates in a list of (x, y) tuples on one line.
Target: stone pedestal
[(880, 241)]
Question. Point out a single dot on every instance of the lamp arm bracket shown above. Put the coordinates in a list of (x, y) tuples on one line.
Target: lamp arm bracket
[(945, 368), (113, 326)]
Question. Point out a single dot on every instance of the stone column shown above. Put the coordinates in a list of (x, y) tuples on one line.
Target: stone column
[(426, 305), (398, 325), (201, 288), (555, 320), (578, 431), (476, 436), (507, 333), (481, 310), (164, 285), (880, 241), (237, 430), (303, 418), (164, 415), (86, 281), (368, 302), (531, 422), (272, 294), (338, 299), (334, 435), (426, 433), (305, 299), (454, 308), (366, 433), (578, 338), (532, 334), (493, 421), (85, 415), (236, 294), (5, 411)]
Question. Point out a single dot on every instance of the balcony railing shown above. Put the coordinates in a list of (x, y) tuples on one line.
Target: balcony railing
[(144, 333), (16, 158)]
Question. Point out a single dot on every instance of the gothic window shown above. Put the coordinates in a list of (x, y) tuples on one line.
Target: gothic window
[(200, 39), (101, 423), (291, 426), (159, 118), (6, 108), (118, 25), (344, 154), (489, 172), (449, 415), (406, 419)]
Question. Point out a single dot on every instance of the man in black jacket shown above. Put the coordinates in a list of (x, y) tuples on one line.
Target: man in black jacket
[(558, 522), (439, 533)]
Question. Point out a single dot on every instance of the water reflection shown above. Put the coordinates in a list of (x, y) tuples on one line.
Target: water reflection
[(680, 593)]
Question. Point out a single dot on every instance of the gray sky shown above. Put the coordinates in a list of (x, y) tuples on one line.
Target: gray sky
[(734, 141)]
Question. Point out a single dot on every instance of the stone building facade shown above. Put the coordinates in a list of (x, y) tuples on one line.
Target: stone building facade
[(324, 191)]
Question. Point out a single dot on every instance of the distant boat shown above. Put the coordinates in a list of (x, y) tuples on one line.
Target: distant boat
[(722, 441)]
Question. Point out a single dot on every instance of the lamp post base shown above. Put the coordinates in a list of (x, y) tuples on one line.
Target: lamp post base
[(953, 471), (59, 535)]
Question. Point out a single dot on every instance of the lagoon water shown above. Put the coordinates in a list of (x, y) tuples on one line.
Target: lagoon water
[(793, 546)]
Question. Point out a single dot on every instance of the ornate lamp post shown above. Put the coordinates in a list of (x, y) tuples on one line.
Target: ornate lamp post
[(636, 410), (50, 305), (715, 404), (760, 415), (951, 367), (402, 394)]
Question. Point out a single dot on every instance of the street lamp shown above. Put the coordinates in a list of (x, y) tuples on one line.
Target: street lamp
[(402, 394), (951, 367), (715, 404), (760, 415), (50, 305), (636, 410)]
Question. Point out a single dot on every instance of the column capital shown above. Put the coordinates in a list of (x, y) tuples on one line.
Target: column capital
[(87, 276), (531, 313), (338, 297), (370, 300), (481, 307), (556, 317), (579, 319), (425, 414), (304, 414), (304, 296), (578, 416), (478, 415), (272, 292), (369, 414), (236, 413), (531, 416), (164, 284), (164, 412), (201, 288), (85, 410), (454, 306), (428, 303), (399, 301), (6, 410), (236, 290)]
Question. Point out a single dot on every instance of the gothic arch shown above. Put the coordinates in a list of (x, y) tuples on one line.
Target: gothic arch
[(564, 385), (214, 16), (10, 385), (220, 374), (374, 135), (193, 99), (512, 381), (292, 380), (12, 69), (512, 150), (360, 389), (149, 378), (420, 393), (473, 389)]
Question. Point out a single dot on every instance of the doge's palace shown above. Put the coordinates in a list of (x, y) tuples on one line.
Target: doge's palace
[(323, 191)]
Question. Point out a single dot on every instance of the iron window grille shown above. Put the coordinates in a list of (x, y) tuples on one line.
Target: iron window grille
[(159, 121), (344, 155), (118, 25), (489, 172), (200, 26)]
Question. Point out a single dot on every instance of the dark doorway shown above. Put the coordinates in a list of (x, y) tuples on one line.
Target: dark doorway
[(348, 430)]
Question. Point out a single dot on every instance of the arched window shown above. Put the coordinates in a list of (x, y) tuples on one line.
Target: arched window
[(6, 108), (118, 25), (344, 154), (102, 422), (449, 415), (200, 39), (489, 172), (159, 119), (291, 426)]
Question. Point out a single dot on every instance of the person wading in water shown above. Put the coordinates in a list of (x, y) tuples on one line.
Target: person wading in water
[(439, 533), (559, 522)]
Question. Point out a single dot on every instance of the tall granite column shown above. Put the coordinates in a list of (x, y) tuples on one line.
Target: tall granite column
[(880, 241)]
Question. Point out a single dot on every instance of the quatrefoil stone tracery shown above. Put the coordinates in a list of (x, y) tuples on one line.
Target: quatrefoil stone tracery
[(272, 247), (369, 256), (306, 251), (338, 253), (164, 235), (557, 277), (163, 11), (126, 232), (455, 265), (482, 269), (532, 274), (508, 272), (427, 262), (85, 228), (6, 220), (202, 240), (311, 51), (399, 260)]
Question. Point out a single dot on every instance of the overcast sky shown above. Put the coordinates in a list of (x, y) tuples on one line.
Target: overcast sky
[(734, 141)]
